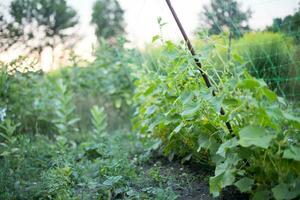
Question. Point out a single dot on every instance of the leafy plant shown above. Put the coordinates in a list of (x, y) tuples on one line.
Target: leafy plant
[(8, 138), (270, 56), (65, 119), (58, 182), (258, 157), (98, 120)]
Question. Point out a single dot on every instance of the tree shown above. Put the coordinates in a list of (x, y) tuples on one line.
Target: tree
[(289, 25), (226, 13), (108, 18), (9, 34), (34, 25)]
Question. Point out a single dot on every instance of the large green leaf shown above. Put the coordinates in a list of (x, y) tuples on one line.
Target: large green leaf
[(281, 191), (190, 109), (207, 143), (245, 184), (256, 136), (292, 152), (285, 191), (220, 181), (227, 145), (111, 181)]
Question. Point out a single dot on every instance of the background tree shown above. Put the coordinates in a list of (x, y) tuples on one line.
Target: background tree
[(34, 25), (289, 25), (108, 18), (226, 13)]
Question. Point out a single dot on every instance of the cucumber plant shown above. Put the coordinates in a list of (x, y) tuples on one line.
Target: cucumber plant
[(260, 156)]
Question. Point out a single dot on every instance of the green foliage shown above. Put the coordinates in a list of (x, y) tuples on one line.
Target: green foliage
[(64, 114), (3, 84), (220, 14), (46, 152), (288, 25), (51, 102), (98, 120), (271, 57), (56, 169), (8, 138), (107, 82), (57, 182), (20, 79), (44, 155), (174, 105), (108, 18)]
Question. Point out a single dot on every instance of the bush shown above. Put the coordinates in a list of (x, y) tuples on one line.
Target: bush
[(50, 102), (270, 56), (31, 108), (106, 82)]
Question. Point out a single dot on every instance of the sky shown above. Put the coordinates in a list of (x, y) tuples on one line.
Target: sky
[(141, 20), (141, 17)]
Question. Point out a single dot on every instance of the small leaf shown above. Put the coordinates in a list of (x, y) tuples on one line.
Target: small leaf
[(73, 121), (256, 136), (151, 110), (262, 195), (248, 84), (5, 153), (245, 184), (111, 181), (291, 117), (216, 102), (230, 102), (269, 94), (118, 103), (203, 142), (176, 130), (155, 38), (187, 158)]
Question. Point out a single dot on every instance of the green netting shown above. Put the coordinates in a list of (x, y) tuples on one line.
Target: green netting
[(272, 54)]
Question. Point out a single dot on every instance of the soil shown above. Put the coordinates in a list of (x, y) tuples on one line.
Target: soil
[(197, 187)]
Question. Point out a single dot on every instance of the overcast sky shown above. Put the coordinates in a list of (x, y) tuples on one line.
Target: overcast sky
[(141, 16)]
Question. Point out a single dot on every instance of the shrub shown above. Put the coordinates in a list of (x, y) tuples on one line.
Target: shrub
[(270, 56), (64, 109), (106, 82)]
